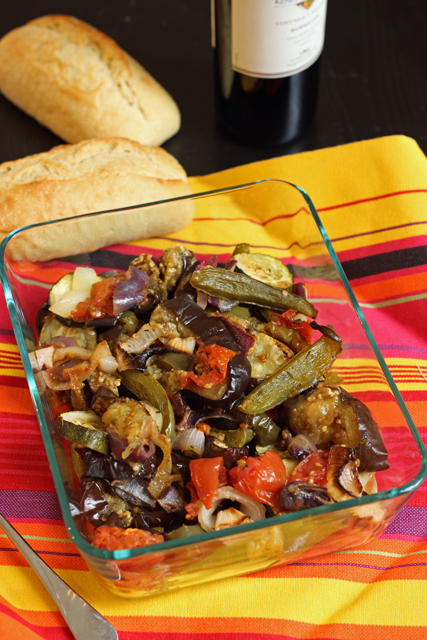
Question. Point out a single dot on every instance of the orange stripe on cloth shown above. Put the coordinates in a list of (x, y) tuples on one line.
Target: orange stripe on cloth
[(35, 618), (12, 628), (243, 627), (393, 418), (390, 287), (15, 400), (324, 290), (418, 411)]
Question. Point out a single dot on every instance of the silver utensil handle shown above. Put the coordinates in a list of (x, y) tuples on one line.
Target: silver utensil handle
[(83, 620)]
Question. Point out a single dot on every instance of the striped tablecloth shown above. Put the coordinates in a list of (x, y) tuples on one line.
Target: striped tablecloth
[(372, 198)]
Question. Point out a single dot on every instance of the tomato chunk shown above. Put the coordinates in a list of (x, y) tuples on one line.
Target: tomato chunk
[(207, 474), (260, 478), (112, 538), (287, 319), (312, 469), (211, 364), (100, 302)]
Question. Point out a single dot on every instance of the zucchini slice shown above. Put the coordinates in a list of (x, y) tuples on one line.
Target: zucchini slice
[(265, 268), (71, 289), (84, 336), (60, 288), (84, 428)]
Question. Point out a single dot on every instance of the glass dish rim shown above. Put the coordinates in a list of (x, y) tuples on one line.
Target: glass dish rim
[(82, 544)]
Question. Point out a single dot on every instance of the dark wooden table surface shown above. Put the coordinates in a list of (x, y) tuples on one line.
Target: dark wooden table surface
[(373, 75)]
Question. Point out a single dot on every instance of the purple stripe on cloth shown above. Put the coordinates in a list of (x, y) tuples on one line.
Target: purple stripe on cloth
[(233, 244), (384, 347), (411, 521), (44, 552), (30, 504)]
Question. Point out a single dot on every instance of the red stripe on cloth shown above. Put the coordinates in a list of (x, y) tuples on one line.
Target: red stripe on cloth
[(382, 196), (419, 498), (14, 382), (260, 223), (401, 536)]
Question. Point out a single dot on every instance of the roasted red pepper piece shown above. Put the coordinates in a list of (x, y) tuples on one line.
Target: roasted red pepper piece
[(207, 474)]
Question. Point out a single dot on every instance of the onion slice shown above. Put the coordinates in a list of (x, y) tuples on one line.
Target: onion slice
[(142, 339), (247, 505), (83, 363), (343, 482), (67, 353), (190, 441), (45, 357), (163, 477), (130, 292)]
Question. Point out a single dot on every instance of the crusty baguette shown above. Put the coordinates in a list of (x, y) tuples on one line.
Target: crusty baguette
[(91, 176), (79, 83)]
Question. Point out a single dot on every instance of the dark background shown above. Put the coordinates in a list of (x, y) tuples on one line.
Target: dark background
[(373, 74)]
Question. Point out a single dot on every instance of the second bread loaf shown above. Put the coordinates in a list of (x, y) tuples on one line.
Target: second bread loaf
[(91, 176)]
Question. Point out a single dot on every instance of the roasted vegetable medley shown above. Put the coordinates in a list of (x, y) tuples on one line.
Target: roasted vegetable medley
[(195, 397)]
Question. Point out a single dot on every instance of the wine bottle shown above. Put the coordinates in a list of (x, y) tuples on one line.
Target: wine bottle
[(267, 58)]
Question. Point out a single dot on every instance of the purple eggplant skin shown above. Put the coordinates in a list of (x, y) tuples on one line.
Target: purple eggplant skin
[(326, 330), (181, 463), (113, 520), (143, 310), (102, 323), (134, 491), (300, 446), (97, 465), (101, 400), (372, 451), (240, 373), (139, 361), (172, 501), (211, 330), (149, 520), (296, 496), (230, 455), (93, 504)]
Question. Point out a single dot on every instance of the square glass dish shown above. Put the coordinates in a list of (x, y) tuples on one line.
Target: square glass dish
[(275, 218)]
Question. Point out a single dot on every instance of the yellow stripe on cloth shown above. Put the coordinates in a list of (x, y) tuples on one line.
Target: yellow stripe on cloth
[(353, 175), (348, 602)]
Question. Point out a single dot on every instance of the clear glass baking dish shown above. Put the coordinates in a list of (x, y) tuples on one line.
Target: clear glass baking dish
[(279, 219)]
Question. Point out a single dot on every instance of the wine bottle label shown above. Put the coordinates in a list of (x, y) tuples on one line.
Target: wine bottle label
[(276, 38)]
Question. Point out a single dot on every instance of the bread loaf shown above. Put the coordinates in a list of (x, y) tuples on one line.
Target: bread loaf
[(79, 83), (91, 176)]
